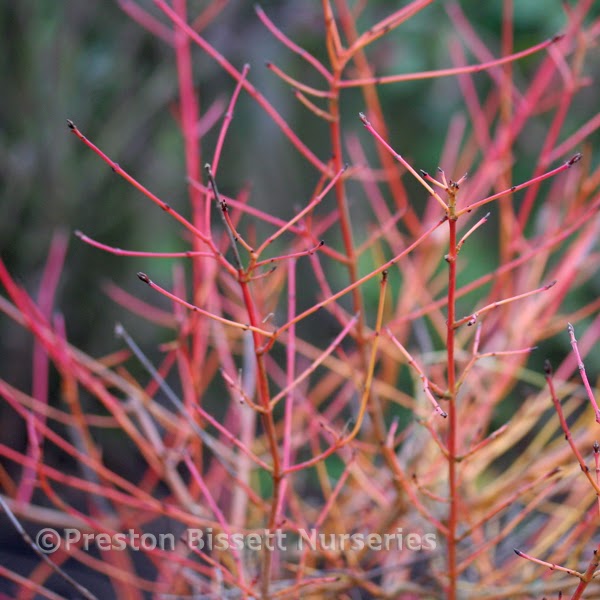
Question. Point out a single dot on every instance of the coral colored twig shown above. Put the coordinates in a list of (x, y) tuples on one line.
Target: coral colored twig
[(214, 507), (244, 327), (551, 566), (516, 188), (284, 39), (120, 252), (412, 363), (476, 226), (449, 72), (319, 112), (583, 374), (163, 205), (227, 120), (472, 319), (566, 429), (293, 255), (297, 85), (401, 160), (300, 215), (483, 443), (388, 24)]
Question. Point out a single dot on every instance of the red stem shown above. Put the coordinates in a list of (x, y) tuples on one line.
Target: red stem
[(452, 416)]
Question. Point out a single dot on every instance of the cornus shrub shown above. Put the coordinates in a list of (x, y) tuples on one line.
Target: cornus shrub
[(348, 401)]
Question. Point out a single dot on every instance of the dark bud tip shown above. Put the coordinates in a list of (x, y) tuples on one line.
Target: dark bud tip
[(575, 159), (547, 367), (517, 552), (321, 243), (144, 277), (70, 124), (596, 447), (557, 38), (424, 173)]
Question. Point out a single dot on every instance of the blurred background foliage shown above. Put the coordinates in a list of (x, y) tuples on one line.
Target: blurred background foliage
[(87, 61)]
